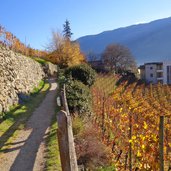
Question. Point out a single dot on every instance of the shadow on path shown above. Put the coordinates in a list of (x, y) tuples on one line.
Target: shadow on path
[(19, 118), (38, 123)]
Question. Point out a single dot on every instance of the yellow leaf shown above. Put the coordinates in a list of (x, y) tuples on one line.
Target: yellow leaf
[(133, 137), (143, 146), (139, 154), (145, 125)]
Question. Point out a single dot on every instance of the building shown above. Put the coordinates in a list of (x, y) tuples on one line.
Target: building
[(156, 72)]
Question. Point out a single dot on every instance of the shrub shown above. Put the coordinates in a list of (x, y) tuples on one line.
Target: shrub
[(61, 78), (83, 73), (77, 125), (91, 152), (78, 97)]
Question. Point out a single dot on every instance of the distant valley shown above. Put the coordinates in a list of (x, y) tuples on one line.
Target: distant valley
[(149, 42)]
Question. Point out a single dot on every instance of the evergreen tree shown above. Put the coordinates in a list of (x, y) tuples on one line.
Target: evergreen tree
[(67, 30)]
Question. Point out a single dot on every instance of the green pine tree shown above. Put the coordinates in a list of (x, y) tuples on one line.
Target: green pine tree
[(67, 30)]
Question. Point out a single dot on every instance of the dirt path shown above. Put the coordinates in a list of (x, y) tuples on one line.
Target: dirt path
[(26, 152)]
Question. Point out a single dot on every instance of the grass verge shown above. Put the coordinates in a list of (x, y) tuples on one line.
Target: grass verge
[(52, 154), (40, 60), (16, 118)]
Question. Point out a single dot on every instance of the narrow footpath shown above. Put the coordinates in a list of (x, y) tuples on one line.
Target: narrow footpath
[(27, 151)]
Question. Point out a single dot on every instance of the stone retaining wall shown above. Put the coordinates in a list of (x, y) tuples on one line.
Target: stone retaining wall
[(18, 74), (50, 69)]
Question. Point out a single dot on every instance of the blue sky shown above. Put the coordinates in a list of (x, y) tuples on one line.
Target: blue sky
[(34, 19)]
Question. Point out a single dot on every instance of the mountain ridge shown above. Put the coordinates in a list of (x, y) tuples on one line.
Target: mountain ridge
[(148, 42)]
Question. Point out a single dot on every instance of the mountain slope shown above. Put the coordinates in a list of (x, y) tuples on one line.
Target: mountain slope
[(148, 42)]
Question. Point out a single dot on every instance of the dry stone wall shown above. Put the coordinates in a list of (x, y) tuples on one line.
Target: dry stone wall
[(18, 74), (50, 69)]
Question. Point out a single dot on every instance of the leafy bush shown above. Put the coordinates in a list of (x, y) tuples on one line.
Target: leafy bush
[(61, 77), (78, 97), (83, 73)]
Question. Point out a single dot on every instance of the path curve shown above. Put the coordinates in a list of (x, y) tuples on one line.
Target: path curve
[(27, 151)]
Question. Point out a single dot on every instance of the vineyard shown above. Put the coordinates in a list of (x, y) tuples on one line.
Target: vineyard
[(128, 116)]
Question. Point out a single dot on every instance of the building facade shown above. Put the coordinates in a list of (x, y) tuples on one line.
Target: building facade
[(155, 72)]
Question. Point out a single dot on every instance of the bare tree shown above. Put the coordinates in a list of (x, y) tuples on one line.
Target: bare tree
[(118, 58), (92, 56), (55, 42)]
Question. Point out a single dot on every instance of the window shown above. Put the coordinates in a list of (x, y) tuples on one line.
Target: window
[(159, 74), (159, 67), (151, 75), (151, 68)]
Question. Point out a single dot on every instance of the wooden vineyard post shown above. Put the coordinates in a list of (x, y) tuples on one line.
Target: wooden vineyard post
[(161, 143), (103, 117), (65, 137), (64, 101), (130, 144), (126, 158), (63, 140)]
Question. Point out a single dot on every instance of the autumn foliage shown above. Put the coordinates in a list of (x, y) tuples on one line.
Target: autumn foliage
[(11, 41), (128, 117), (60, 51), (66, 54)]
